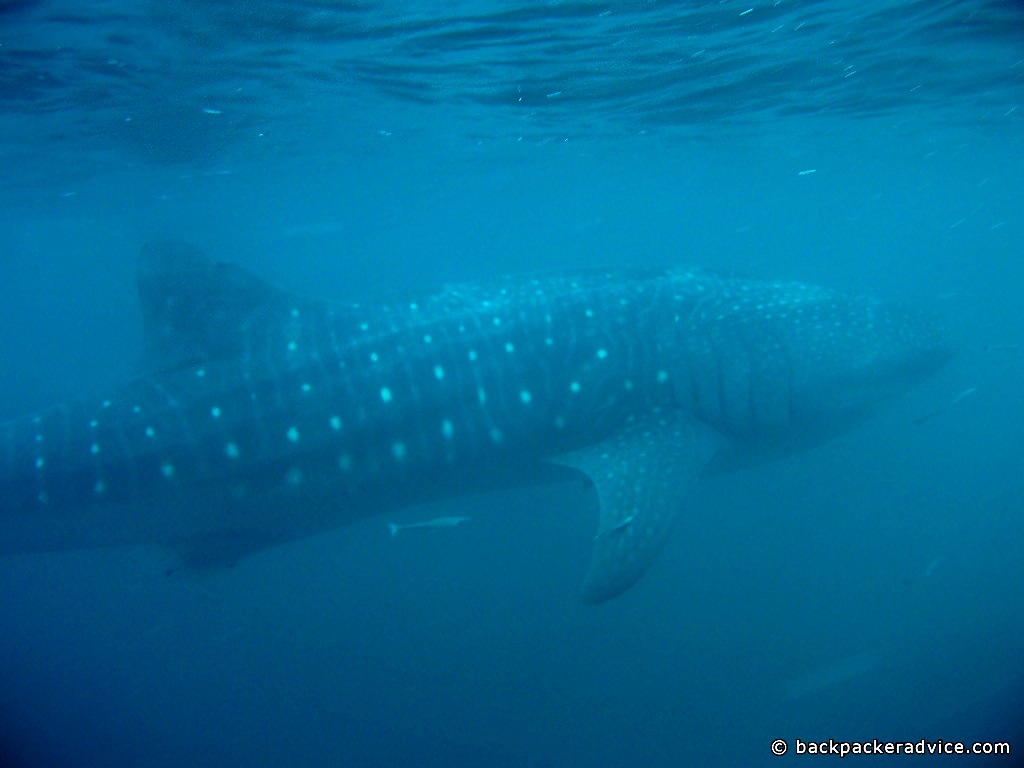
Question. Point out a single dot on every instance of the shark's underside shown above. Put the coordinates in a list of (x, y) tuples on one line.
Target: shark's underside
[(264, 418)]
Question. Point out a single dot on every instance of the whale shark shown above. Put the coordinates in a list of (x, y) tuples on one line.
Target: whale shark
[(259, 417)]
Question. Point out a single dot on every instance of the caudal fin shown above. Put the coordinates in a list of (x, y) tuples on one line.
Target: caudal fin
[(394, 528)]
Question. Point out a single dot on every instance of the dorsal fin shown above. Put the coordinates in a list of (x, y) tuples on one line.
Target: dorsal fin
[(195, 309)]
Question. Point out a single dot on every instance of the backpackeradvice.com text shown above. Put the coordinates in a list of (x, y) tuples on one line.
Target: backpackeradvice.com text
[(876, 747)]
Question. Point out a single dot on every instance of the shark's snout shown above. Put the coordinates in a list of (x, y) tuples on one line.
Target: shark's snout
[(857, 354), (917, 344)]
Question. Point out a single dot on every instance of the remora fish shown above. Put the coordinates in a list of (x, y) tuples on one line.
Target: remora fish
[(437, 522), (265, 418)]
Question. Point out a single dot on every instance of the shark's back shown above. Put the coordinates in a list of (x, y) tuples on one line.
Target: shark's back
[(253, 394)]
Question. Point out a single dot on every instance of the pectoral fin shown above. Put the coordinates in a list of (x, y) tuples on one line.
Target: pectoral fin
[(642, 476)]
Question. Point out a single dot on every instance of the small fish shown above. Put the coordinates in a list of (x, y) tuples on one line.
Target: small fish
[(837, 674), (618, 527), (932, 566), (999, 348), (929, 416), (437, 522), (927, 572)]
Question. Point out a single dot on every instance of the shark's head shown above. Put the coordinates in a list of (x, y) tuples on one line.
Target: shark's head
[(857, 353), (778, 363)]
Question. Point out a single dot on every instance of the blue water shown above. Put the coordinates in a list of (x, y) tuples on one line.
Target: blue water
[(867, 589)]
